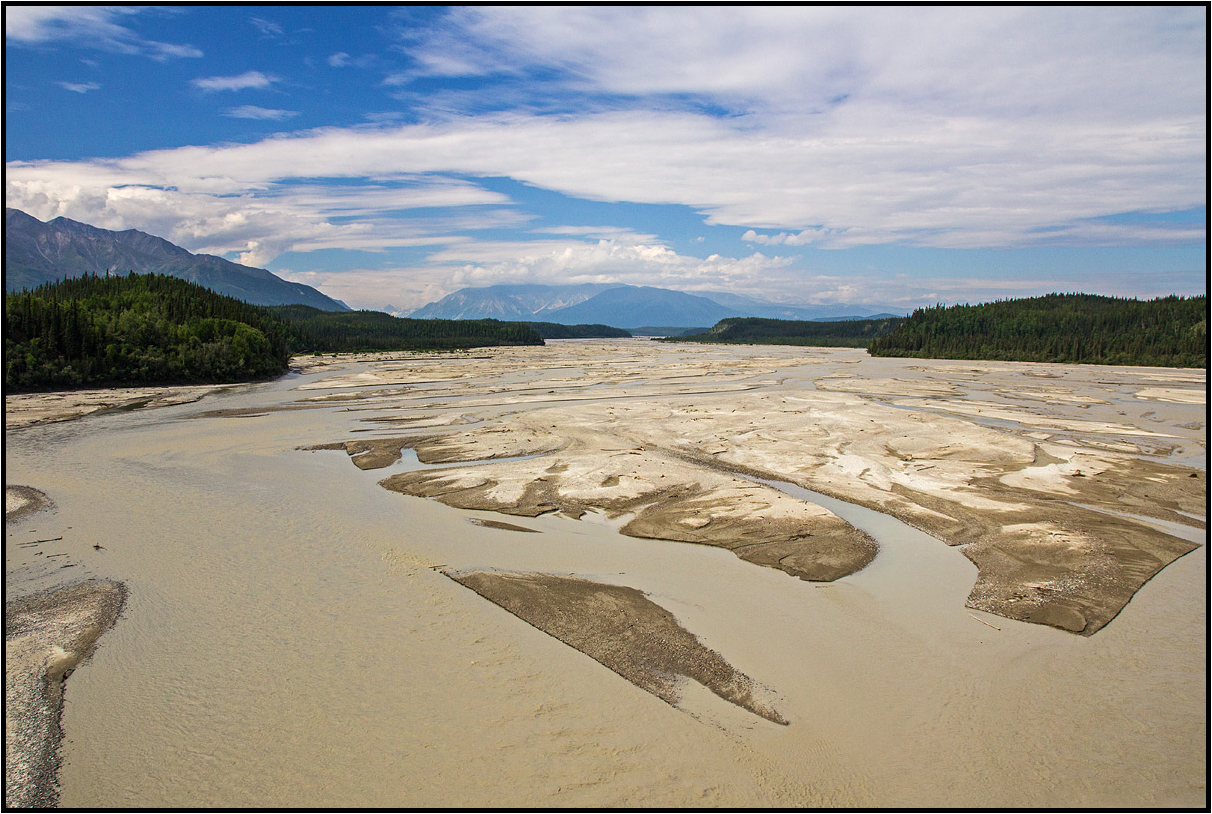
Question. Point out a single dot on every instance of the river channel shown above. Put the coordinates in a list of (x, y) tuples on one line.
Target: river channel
[(289, 641)]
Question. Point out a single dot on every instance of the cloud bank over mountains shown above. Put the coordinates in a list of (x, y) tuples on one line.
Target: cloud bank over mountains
[(951, 128)]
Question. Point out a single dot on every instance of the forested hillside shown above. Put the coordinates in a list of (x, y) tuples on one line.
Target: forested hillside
[(155, 329), (850, 333), (311, 329), (1082, 328), (135, 329), (553, 330)]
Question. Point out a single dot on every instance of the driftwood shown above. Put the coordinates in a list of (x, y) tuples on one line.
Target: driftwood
[(983, 622)]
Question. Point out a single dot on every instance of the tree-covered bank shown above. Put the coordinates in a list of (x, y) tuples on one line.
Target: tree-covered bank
[(135, 329), (310, 329), (1078, 328), (140, 329), (849, 333), (555, 330)]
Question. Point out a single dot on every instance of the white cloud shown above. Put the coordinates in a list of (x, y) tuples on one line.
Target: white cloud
[(248, 79), (927, 181), (601, 261), (467, 263), (79, 87), (405, 287), (802, 238), (88, 26), (368, 200), (263, 113), (339, 60), (618, 234), (259, 226), (944, 127), (268, 28), (1075, 61), (950, 184)]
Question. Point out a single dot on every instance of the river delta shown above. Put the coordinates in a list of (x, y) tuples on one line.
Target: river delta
[(625, 573)]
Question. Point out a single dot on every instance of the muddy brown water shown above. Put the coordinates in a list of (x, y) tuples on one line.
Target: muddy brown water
[(287, 642)]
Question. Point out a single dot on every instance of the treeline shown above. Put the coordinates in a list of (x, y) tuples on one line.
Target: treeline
[(135, 329), (850, 333), (1077, 328), (554, 330), (154, 329), (313, 330)]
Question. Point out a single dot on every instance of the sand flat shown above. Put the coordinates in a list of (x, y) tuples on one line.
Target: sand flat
[(969, 484)]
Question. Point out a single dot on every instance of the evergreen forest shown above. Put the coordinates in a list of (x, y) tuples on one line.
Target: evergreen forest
[(1078, 328), (848, 333), (140, 329), (312, 330), (554, 330)]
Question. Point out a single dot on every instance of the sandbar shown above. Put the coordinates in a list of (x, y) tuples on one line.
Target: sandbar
[(46, 636), (620, 628)]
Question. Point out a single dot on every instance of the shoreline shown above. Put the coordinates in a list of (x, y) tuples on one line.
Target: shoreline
[(47, 635)]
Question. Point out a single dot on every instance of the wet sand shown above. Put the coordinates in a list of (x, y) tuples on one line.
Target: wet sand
[(46, 636), (22, 501), (621, 629), (290, 638), (29, 409)]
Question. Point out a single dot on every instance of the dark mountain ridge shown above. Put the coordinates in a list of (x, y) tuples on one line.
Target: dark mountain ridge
[(60, 249)]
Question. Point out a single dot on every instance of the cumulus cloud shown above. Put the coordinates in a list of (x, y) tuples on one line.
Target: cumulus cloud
[(86, 26), (802, 238), (254, 112), (248, 79), (601, 261), (259, 227), (469, 263)]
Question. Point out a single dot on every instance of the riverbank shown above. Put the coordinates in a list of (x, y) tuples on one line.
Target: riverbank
[(46, 636)]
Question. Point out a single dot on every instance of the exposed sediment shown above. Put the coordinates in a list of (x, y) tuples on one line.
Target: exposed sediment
[(501, 526), (620, 628), (1034, 484), (46, 636), (376, 453), (667, 500), (30, 409), (1035, 516), (22, 501)]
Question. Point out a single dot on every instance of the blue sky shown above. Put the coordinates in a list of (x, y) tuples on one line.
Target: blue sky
[(891, 156)]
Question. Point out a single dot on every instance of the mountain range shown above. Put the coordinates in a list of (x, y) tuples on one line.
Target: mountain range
[(525, 302), (36, 252), (626, 306)]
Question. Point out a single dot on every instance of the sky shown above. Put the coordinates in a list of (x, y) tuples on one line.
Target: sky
[(892, 156)]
